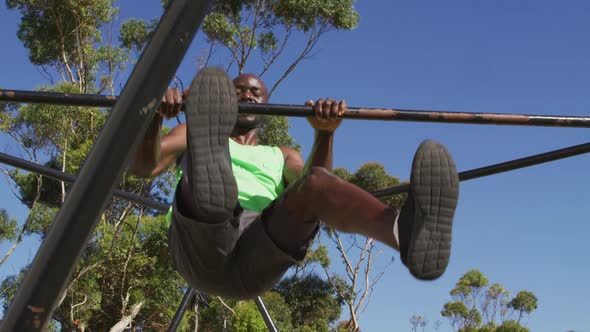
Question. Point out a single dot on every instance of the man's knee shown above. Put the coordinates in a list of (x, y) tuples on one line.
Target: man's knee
[(316, 180), (303, 195)]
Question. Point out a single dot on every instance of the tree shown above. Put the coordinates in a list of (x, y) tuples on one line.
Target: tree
[(312, 301), (524, 302), (418, 321), (475, 307), (62, 34), (269, 25), (123, 265), (359, 254), (8, 227)]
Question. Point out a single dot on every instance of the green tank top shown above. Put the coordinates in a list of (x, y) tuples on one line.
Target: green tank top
[(258, 170)]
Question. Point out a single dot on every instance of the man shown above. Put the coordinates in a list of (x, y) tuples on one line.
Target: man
[(244, 213)]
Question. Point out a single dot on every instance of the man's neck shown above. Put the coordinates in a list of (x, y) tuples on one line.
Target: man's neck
[(248, 138)]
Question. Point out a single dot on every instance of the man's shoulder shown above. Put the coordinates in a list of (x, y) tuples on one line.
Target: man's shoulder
[(289, 152)]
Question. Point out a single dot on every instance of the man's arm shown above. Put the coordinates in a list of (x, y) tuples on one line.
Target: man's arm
[(155, 153), (325, 123)]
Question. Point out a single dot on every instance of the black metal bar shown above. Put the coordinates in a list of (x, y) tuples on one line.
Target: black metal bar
[(305, 111), (61, 176), (265, 315), (502, 167), (186, 300), (38, 295), (56, 98), (425, 116)]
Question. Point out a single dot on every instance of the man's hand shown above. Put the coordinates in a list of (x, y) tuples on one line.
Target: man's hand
[(327, 114), (171, 103)]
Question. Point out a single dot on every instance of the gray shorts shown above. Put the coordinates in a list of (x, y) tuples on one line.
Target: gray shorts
[(235, 258)]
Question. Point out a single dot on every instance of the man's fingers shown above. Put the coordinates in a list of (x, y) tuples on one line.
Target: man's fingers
[(319, 108), (334, 110), (342, 108), (177, 101)]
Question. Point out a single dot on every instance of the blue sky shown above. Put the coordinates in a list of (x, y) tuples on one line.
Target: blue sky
[(526, 229)]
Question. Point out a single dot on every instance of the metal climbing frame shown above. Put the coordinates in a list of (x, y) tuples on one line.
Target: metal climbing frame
[(37, 297)]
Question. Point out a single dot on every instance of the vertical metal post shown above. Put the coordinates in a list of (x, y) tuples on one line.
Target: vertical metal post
[(265, 315), (45, 282), (186, 300)]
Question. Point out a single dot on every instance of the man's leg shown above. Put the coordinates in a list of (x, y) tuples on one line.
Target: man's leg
[(424, 224), (205, 227)]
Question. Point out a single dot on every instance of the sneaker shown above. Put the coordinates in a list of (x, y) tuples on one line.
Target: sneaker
[(426, 218), (211, 113)]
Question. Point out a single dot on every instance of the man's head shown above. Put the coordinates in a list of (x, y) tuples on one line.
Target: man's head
[(250, 89)]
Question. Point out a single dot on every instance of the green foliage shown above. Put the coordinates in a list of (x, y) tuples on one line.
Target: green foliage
[(372, 177), (275, 132), (247, 318), (62, 35), (456, 312), (50, 28), (524, 302), (473, 312), (269, 26), (318, 255), (469, 287), (39, 219), (8, 227), (511, 326), (305, 14), (312, 301), (279, 310), (135, 33), (5, 119), (9, 286)]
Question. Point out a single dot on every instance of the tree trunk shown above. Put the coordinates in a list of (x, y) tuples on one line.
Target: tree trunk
[(196, 308), (126, 320)]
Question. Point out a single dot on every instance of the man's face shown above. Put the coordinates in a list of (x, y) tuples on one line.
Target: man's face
[(250, 89)]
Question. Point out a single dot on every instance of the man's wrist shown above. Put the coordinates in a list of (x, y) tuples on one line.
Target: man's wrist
[(324, 133)]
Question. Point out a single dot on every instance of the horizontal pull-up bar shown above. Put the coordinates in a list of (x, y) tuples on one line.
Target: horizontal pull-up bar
[(501, 167), (305, 111)]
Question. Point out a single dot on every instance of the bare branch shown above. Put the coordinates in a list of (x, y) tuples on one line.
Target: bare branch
[(226, 306), (73, 306), (276, 54), (369, 250), (349, 268), (127, 319), (131, 247), (311, 42)]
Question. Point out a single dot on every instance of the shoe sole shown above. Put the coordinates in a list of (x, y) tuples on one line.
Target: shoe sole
[(211, 112), (434, 184)]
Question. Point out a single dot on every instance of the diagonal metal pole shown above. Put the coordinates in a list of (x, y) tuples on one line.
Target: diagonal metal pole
[(43, 285), (265, 315), (186, 300), (511, 165), (357, 113)]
